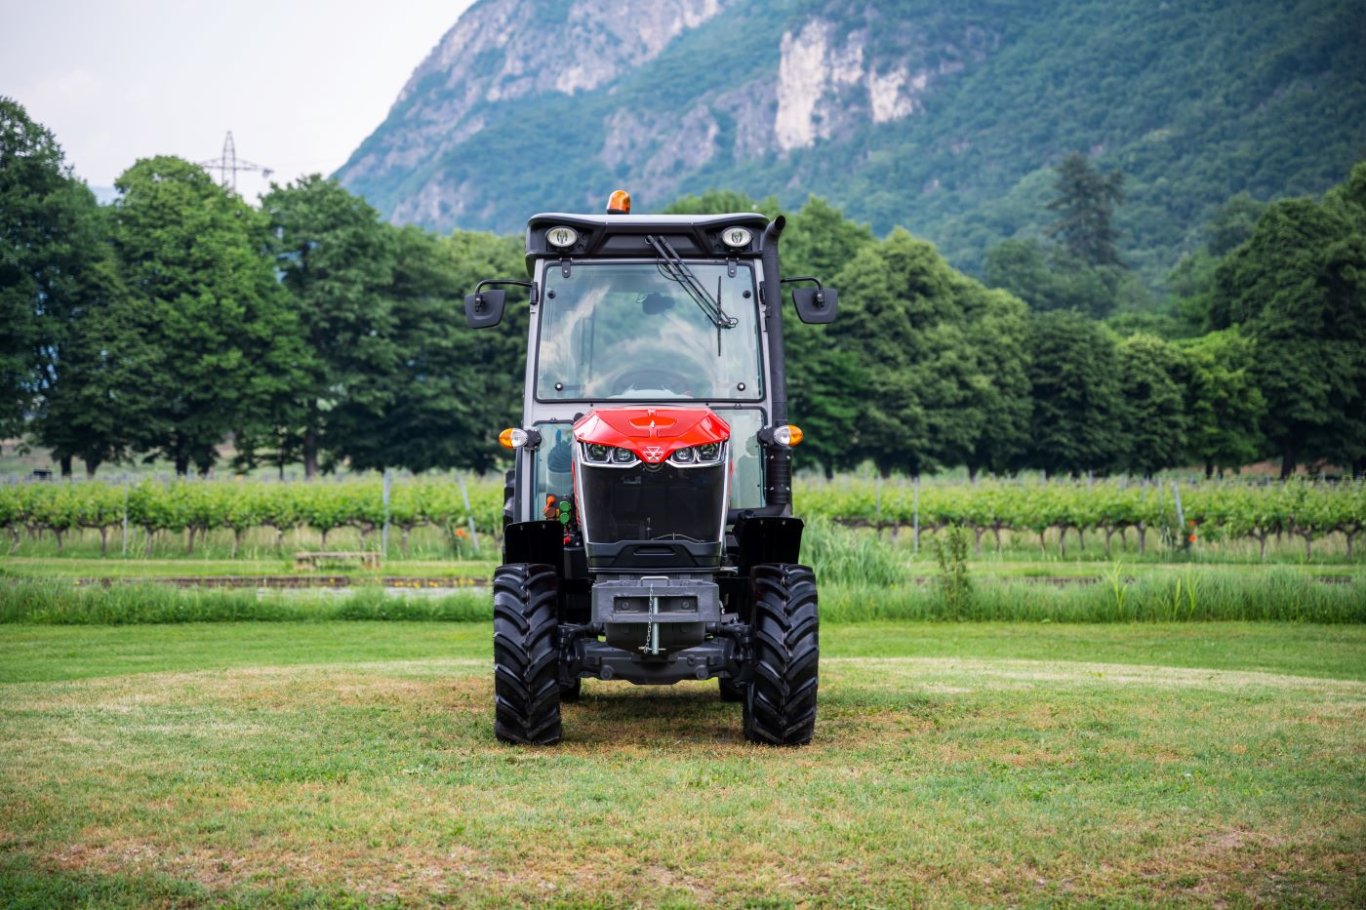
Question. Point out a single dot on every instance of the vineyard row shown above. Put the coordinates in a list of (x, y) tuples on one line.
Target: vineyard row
[(1208, 511)]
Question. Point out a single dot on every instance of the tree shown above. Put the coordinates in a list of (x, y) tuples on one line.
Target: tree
[(1153, 421), (941, 359), (820, 240), (1297, 288), (1233, 223), (1085, 204), (824, 381), (1223, 405), (1192, 279), (720, 202), (1050, 279), (997, 339), (206, 341), (46, 250), (451, 388), (1075, 424), (336, 261), (81, 409)]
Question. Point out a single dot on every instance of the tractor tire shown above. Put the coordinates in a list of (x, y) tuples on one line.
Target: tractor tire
[(731, 691), (780, 706), (526, 655)]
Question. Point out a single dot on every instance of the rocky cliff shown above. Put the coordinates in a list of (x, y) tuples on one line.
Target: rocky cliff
[(935, 114)]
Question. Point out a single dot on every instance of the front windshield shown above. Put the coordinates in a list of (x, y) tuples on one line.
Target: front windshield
[(629, 331)]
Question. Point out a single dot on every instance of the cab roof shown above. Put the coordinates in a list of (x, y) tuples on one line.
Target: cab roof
[(623, 236)]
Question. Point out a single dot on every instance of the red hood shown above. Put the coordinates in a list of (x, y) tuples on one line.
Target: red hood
[(653, 434)]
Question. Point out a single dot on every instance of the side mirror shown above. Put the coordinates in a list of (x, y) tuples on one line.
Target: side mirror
[(816, 306), (484, 309)]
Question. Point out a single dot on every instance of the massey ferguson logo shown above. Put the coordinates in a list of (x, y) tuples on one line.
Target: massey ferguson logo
[(653, 453)]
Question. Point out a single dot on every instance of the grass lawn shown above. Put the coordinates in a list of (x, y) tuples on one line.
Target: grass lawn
[(342, 764)]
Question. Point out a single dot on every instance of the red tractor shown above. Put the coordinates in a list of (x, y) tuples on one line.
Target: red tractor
[(648, 529)]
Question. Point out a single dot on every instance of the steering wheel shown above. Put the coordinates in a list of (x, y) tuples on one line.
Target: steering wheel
[(652, 378)]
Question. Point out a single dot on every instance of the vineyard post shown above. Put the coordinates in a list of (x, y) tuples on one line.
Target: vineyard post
[(384, 531), (877, 486), (1180, 516), (125, 520), (469, 513), (915, 516)]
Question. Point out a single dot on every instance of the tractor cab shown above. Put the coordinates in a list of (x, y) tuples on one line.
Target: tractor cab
[(652, 466)]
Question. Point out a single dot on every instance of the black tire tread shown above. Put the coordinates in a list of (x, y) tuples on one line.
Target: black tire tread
[(526, 659), (780, 708)]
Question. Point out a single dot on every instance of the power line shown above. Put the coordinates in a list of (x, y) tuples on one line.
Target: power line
[(228, 165)]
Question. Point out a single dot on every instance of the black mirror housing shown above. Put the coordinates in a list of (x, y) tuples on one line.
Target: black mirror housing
[(485, 308), (816, 306)]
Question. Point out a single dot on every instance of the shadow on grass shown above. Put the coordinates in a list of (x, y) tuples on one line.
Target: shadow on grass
[(692, 714)]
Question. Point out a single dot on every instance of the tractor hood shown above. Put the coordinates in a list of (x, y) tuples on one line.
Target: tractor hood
[(651, 434)]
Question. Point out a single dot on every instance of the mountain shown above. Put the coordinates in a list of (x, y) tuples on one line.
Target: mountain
[(945, 116)]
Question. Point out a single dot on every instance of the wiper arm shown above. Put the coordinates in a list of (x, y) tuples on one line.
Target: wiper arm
[(672, 266)]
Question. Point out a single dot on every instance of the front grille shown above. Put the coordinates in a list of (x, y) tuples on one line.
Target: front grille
[(652, 502)]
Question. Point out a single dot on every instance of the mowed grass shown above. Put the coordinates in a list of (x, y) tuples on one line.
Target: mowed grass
[(342, 764)]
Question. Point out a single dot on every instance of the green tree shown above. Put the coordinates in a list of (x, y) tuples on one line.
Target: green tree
[(1077, 412), (721, 202), (1191, 281), (820, 240), (451, 389), (48, 247), (940, 358), (825, 381), (997, 337), (1224, 406), (1050, 279), (1298, 289), (1153, 422), (1085, 203), (206, 341), (336, 261), (81, 410), (1232, 224)]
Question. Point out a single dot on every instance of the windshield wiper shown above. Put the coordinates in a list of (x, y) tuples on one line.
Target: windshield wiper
[(672, 266)]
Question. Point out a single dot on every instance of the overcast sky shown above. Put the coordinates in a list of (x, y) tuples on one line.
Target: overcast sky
[(298, 82)]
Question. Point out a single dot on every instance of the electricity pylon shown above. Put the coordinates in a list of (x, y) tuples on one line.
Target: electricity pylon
[(229, 164)]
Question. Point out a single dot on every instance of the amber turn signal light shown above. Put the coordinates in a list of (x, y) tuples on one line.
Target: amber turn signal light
[(512, 438)]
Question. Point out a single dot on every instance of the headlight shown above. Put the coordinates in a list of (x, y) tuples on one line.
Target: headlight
[(607, 456), (697, 456)]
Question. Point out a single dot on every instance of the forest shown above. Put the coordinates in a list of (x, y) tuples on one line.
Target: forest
[(310, 332)]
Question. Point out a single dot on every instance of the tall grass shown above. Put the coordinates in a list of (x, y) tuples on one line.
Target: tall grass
[(60, 603), (843, 556), (1175, 596)]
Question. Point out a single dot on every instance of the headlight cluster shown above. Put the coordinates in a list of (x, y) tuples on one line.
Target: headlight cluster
[(696, 456), (706, 454), (593, 453)]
